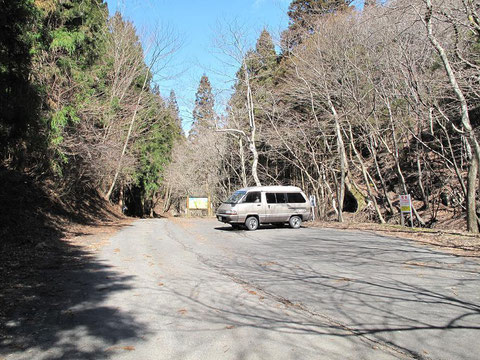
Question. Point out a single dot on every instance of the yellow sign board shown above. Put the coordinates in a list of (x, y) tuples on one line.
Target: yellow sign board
[(405, 203), (199, 203)]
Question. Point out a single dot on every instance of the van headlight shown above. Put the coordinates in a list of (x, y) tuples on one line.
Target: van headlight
[(231, 212)]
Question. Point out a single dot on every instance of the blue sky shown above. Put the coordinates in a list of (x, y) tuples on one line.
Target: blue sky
[(196, 23)]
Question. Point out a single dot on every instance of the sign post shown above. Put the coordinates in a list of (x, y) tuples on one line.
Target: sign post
[(313, 202), (198, 203), (406, 207)]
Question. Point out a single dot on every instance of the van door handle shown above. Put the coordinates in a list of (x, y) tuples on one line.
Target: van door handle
[(259, 204)]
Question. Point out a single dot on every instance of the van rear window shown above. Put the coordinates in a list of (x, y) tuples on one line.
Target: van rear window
[(282, 198), (296, 198)]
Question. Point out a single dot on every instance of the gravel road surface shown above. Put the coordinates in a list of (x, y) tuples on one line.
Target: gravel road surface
[(196, 289)]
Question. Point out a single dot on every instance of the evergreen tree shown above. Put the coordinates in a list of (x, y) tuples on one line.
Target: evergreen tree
[(153, 149), (67, 57), (17, 26), (300, 11), (76, 28), (301, 14), (87, 73), (265, 58), (265, 47), (172, 106), (172, 101), (203, 113), (261, 66)]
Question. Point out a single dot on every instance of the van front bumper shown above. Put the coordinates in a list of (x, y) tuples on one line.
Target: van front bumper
[(227, 218)]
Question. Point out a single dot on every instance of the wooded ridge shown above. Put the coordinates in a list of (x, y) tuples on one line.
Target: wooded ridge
[(354, 106)]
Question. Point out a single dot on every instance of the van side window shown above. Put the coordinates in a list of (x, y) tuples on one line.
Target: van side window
[(281, 198), (252, 197), (271, 198), (296, 198)]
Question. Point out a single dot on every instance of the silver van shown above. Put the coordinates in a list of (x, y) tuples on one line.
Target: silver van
[(253, 206)]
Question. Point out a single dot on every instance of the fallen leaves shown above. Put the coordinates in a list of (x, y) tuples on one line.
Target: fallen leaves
[(416, 263), (269, 263), (182, 311), (126, 348)]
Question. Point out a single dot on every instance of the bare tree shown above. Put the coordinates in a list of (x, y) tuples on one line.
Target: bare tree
[(160, 45), (231, 42), (473, 147)]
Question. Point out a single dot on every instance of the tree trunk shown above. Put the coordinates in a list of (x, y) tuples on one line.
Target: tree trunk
[(365, 177), (120, 198), (396, 158), (253, 149), (167, 200), (373, 149), (329, 192), (253, 128), (426, 204), (242, 162), (472, 223), (125, 145), (404, 187), (343, 161), (466, 124)]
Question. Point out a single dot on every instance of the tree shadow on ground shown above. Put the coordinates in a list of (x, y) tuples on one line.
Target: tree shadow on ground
[(420, 302), (61, 301), (52, 292), (383, 288)]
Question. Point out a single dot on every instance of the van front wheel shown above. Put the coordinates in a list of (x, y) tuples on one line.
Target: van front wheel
[(295, 222), (251, 223)]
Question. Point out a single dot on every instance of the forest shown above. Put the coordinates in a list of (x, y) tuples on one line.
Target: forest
[(354, 106), (80, 107), (357, 108)]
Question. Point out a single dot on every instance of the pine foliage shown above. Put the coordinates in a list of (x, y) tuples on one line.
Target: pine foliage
[(203, 113)]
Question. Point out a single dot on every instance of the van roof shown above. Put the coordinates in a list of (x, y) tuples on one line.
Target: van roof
[(276, 188)]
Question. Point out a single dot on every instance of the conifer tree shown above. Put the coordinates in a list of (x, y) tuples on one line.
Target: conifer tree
[(203, 113), (265, 47), (72, 42), (172, 106), (300, 10), (265, 58), (301, 14), (16, 37)]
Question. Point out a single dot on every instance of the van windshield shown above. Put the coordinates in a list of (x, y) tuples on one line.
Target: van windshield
[(235, 197)]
